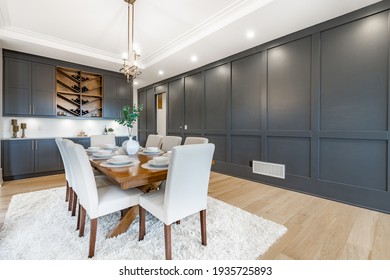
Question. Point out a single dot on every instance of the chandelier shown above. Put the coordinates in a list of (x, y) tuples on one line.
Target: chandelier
[(130, 64)]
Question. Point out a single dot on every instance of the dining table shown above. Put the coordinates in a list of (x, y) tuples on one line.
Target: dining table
[(133, 176)]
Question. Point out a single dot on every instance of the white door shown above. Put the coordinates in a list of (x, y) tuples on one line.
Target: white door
[(161, 113)]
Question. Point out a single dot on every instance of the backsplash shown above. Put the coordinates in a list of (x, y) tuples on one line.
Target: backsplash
[(42, 128)]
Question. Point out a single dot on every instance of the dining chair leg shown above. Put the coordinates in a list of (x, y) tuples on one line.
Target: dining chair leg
[(142, 229), (78, 218), (167, 236), (67, 192), (70, 203), (203, 226), (74, 204), (92, 238), (82, 222)]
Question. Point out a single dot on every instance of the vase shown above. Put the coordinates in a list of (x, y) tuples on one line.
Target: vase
[(130, 146)]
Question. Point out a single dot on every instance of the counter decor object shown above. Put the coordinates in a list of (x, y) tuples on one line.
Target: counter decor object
[(23, 126), (130, 116), (15, 128)]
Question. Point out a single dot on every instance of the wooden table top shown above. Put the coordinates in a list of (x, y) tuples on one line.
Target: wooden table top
[(133, 176)]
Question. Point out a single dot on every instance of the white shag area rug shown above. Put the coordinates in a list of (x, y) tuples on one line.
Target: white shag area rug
[(38, 226)]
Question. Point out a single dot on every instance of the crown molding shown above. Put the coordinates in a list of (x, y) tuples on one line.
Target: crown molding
[(14, 33), (230, 14)]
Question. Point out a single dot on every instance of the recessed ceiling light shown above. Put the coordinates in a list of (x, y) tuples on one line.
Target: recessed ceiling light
[(161, 72), (194, 58), (135, 82), (250, 34)]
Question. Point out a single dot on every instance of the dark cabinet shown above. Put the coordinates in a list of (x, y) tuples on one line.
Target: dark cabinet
[(185, 106), (85, 142), (24, 157), (28, 88), (117, 93)]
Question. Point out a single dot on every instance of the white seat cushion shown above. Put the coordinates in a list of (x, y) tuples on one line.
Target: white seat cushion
[(111, 198), (154, 203)]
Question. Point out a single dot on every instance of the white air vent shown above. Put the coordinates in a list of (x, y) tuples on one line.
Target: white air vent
[(269, 169)]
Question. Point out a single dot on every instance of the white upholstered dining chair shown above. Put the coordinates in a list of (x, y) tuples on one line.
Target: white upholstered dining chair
[(195, 140), (185, 191), (96, 202), (153, 140), (168, 142), (101, 140)]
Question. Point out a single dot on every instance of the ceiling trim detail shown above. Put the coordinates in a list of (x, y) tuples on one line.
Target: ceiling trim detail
[(231, 13), (47, 41)]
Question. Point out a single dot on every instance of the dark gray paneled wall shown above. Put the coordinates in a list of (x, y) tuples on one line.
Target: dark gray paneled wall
[(316, 101)]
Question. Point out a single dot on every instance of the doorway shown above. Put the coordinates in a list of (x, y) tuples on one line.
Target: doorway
[(161, 113)]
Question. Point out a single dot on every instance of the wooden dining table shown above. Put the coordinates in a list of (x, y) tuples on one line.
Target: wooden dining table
[(131, 177)]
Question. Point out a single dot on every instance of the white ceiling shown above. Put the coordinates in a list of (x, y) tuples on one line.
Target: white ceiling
[(167, 32)]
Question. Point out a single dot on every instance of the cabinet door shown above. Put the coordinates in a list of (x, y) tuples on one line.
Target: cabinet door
[(109, 105), (121, 103), (17, 87), (47, 156), (18, 157), (175, 107), (85, 142), (124, 90), (43, 92), (193, 108)]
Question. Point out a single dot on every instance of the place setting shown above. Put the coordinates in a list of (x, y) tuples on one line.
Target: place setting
[(150, 151), (118, 161), (157, 163), (102, 154)]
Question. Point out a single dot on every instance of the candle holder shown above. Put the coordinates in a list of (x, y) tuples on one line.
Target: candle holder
[(15, 130), (14, 122), (23, 126)]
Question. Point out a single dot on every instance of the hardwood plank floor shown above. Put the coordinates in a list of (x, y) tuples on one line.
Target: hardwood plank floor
[(317, 228)]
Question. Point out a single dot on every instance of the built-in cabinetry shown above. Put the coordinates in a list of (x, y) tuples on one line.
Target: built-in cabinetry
[(29, 156), (117, 93), (28, 88), (42, 87), (24, 158), (79, 93)]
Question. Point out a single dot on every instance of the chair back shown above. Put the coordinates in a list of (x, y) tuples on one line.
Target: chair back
[(60, 145), (195, 140), (187, 181), (83, 178), (101, 140), (168, 142), (153, 141)]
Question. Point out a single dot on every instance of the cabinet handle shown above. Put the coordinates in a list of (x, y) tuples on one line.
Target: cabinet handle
[(29, 111), (180, 127), (36, 145), (32, 145), (185, 127), (33, 109)]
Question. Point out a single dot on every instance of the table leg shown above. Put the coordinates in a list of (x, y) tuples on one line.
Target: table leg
[(125, 222), (128, 215)]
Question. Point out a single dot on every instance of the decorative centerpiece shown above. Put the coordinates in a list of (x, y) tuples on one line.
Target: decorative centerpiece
[(129, 116), (15, 128), (23, 126)]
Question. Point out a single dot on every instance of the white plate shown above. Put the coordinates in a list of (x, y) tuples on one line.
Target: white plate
[(106, 164), (158, 164), (117, 162), (97, 155), (111, 148), (151, 152)]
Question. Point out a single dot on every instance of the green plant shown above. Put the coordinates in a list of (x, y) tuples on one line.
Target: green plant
[(130, 114), (110, 129)]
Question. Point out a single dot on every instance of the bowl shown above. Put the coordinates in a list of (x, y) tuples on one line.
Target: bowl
[(92, 149), (161, 159), (120, 158), (152, 149), (104, 152), (110, 146)]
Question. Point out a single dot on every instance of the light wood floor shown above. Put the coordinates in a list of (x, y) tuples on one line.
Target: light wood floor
[(317, 228)]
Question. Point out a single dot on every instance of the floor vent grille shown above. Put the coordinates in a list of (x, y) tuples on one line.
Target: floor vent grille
[(269, 169)]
